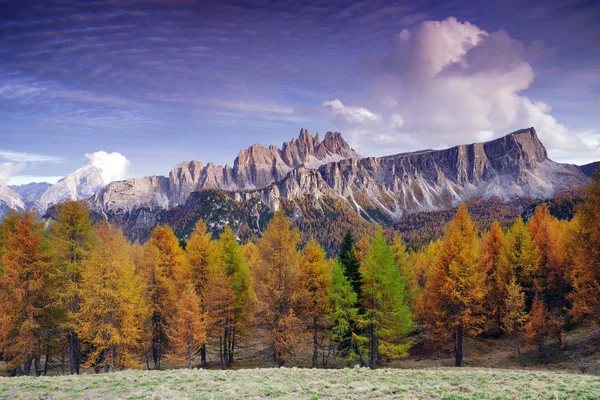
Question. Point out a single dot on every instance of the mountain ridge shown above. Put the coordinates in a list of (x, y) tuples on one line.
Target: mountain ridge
[(376, 189)]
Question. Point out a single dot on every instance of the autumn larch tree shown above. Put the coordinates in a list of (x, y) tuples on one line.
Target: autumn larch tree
[(187, 330), (112, 308), (495, 281), (277, 288), (386, 317), (315, 276), (201, 254), (539, 326), (519, 258), (164, 273), (585, 275), (454, 294), (242, 287), (71, 240), (23, 293), (551, 278), (513, 316), (218, 302)]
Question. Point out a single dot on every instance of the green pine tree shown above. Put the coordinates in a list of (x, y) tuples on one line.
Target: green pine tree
[(351, 264), (343, 313), (386, 316)]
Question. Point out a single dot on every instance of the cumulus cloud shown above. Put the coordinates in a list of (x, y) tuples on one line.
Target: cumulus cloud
[(352, 115), (451, 82), (114, 166)]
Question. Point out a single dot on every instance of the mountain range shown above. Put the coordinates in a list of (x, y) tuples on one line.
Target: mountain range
[(324, 178)]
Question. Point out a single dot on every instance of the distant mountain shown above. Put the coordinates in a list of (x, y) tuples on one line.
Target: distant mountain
[(80, 184), (30, 193), (255, 167), (321, 182), (9, 199), (590, 169)]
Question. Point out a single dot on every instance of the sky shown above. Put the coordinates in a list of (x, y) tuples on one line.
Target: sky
[(143, 85)]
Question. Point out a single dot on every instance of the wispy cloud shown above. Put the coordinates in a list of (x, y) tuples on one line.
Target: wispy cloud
[(28, 157)]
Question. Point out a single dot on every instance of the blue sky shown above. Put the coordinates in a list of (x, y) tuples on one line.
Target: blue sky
[(201, 80)]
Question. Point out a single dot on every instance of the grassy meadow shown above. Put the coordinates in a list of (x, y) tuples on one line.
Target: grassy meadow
[(299, 383)]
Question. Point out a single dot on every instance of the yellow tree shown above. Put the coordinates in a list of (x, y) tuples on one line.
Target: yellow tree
[(71, 239), (277, 287), (455, 293), (513, 317), (218, 301), (187, 331), (315, 276), (23, 293), (490, 265), (113, 310), (164, 272), (585, 276), (519, 258), (539, 326), (200, 254), (241, 284), (551, 279)]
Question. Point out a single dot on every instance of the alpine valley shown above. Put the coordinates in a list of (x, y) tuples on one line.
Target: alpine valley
[(325, 186)]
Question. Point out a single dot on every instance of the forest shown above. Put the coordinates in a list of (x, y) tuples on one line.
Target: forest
[(78, 296)]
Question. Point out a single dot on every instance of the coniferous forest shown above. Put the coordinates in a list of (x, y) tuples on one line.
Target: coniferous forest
[(78, 296)]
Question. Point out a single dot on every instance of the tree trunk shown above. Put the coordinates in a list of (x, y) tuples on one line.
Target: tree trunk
[(458, 346), (226, 347), (73, 353), (221, 352), (517, 346), (373, 355), (315, 344), (36, 363), (189, 356), (203, 363), (27, 366), (542, 349), (47, 358), (232, 347)]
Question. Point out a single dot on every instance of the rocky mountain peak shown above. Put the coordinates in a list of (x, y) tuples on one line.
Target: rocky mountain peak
[(81, 184)]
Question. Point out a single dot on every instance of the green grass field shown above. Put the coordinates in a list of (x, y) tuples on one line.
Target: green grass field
[(296, 383)]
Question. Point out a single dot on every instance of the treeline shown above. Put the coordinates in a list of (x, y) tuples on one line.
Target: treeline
[(75, 294)]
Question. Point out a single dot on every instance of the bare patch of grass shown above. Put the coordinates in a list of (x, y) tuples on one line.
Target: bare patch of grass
[(297, 383)]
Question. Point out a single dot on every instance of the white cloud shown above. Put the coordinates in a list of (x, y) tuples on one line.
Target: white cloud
[(27, 157), (353, 115), (9, 168), (12, 162), (114, 166), (451, 82)]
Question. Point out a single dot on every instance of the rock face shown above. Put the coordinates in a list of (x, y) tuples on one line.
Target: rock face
[(9, 199), (30, 193), (81, 184), (378, 189), (255, 167), (383, 189)]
